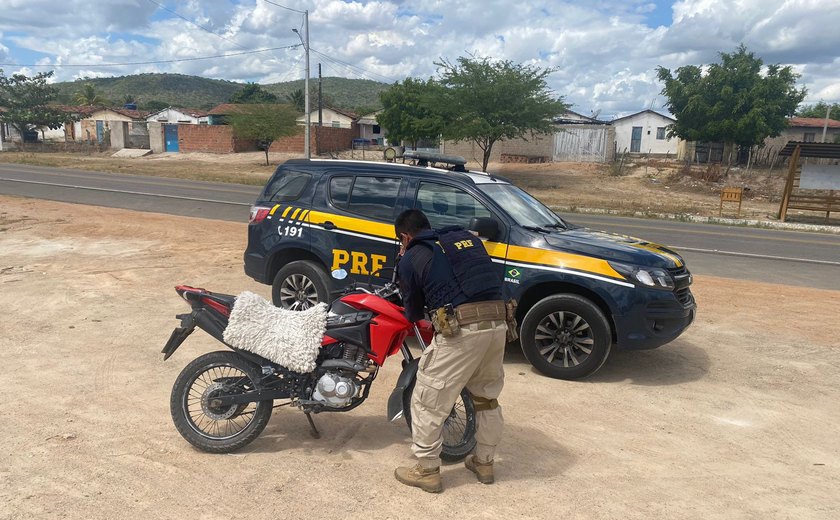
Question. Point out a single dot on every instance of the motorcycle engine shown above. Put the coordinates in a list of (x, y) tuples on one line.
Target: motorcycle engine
[(335, 389)]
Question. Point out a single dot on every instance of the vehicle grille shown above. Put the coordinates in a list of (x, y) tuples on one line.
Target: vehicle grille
[(683, 295)]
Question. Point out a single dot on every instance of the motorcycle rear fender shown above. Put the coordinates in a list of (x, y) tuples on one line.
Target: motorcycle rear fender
[(404, 382), (178, 335)]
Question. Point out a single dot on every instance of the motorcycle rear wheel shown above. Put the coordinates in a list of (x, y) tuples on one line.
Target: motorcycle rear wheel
[(213, 428), (458, 429)]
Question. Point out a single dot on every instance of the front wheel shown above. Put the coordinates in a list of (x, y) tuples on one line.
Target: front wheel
[(566, 336), (207, 425), (458, 429), (300, 285)]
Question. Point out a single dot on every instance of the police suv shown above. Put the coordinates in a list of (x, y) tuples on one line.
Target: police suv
[(579, 291)]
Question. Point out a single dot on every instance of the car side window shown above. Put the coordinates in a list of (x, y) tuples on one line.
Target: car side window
[(446, 205), (286, 187), (340, 191), (374, 197)]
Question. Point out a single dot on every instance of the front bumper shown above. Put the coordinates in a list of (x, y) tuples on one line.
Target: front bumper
[(656, 322)]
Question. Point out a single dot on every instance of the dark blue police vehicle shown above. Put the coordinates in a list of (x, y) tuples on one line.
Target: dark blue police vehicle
[(579, 291)]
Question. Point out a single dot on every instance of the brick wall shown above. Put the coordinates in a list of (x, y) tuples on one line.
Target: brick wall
[(537, 146), (219, 139), (211, 138)]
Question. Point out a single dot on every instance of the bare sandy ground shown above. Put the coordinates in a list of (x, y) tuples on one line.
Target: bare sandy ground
[(736, 419)]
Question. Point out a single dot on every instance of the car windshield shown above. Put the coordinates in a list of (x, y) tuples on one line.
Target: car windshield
[(522, 207)]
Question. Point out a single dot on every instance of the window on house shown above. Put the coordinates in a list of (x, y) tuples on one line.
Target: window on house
[(810, 137), (377, 129), (660, 133), (336, 124)]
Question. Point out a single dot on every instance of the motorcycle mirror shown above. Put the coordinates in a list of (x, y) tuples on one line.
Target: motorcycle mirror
[(339, 274)]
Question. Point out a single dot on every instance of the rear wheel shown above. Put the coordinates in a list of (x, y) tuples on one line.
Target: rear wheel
[(458, 429), (300, 285), (566, 336), (210, 426)]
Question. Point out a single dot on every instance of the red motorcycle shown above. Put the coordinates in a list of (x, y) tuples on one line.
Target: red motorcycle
[(223, 400)]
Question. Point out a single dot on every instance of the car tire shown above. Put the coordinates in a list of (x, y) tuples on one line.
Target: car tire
[(300, 285), (566, 336)]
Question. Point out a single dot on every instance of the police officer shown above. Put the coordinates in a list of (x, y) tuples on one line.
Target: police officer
[(450, 273)]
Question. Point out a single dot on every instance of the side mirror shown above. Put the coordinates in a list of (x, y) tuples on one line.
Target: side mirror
[(485, 227)]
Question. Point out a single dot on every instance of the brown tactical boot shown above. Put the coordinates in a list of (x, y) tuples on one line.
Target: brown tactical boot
[(482, 470), (426, 479)]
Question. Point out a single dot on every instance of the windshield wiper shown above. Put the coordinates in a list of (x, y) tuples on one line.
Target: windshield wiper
[(538, 229), (557, 225)]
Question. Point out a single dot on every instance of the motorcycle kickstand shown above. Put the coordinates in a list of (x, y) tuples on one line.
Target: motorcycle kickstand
[(315, 433)]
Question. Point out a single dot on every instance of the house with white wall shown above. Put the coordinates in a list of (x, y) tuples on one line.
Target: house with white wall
[(330, 116), (370, 129), (644, 132), (178, 115)]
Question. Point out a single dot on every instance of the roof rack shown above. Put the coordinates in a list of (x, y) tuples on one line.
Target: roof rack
[(431, 159)]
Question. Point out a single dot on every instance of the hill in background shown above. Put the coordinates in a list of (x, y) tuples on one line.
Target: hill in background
[(156, 91)]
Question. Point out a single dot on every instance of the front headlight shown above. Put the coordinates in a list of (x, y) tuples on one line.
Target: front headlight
[(654, 277)]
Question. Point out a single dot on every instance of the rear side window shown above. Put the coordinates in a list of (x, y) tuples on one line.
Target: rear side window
[(374, 197), (286, 187), (448, 206)]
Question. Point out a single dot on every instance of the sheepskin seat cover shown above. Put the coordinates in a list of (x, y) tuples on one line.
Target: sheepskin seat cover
[(289, 338)]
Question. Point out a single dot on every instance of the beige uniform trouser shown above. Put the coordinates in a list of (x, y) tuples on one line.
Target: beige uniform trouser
[(472, 359)]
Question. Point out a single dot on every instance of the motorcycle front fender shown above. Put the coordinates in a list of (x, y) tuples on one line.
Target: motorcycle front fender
[(404, 383)]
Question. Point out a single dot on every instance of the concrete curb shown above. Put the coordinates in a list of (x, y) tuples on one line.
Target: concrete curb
[(682, 217)]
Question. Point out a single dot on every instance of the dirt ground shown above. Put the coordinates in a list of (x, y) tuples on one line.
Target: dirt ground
[(643, 186), (736, 419)]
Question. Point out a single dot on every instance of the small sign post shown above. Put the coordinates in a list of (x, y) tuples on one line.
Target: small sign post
[(731, 195)]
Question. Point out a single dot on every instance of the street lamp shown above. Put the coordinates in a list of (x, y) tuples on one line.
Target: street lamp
[(305, 42)]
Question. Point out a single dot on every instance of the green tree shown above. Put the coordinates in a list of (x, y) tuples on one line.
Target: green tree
[(485, 101), (410, 112), (263, 123), (25, 101), (89, 96), (819, 110), (252, 93), (732, 101), (297, 99)]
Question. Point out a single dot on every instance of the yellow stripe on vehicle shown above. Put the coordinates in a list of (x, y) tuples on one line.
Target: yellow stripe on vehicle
[(286, 211), (295, 214), (303, 215), (354, 224), (563, 260), (276, 206)]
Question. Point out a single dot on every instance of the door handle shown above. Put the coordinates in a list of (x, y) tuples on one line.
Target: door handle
[(329, 225)]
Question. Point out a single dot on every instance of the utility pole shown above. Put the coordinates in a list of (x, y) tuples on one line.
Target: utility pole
[(320, 115), (305, 41), (825, 125)]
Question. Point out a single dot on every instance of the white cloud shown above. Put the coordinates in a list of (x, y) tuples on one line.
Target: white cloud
[(604, 52)]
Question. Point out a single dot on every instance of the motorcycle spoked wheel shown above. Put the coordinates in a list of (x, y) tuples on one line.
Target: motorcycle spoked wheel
[(217, 429), (458, 429)]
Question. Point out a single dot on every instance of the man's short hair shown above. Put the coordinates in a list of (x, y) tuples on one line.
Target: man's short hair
[(411, 221)]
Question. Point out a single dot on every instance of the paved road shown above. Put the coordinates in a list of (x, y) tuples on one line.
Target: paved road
[(787, 257)]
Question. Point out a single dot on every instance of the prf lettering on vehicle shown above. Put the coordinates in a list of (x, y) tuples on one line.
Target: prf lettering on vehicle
[(360, 263)]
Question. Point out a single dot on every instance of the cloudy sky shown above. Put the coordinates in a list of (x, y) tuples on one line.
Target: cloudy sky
[(605, 52)]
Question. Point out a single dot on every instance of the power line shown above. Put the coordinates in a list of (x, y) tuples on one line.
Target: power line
[(283, 6), (155, 62), (194, 23), (353, 68)]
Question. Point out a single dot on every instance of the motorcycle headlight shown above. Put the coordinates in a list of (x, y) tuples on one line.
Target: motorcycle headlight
[(654, 277)]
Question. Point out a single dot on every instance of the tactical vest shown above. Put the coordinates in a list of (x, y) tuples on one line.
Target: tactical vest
[(461, 271)]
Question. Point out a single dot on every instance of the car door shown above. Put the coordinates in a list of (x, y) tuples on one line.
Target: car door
[(447, 204), (358, 224)]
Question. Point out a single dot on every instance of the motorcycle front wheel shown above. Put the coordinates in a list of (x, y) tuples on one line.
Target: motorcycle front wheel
[(458, 429), (207, 425)]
